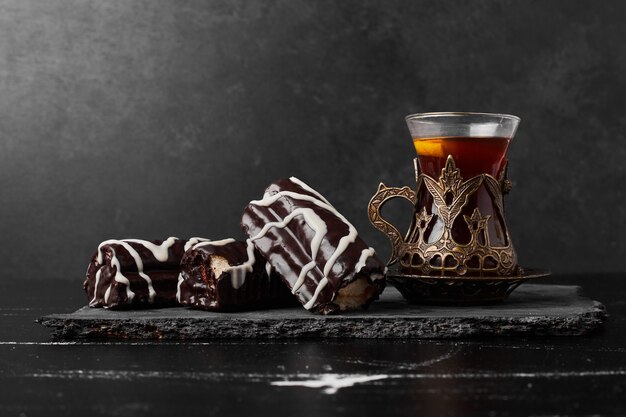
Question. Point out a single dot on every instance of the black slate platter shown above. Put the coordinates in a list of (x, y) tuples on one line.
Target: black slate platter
[(532, 309)]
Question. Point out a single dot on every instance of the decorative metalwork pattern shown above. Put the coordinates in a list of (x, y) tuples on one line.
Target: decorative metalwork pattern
[(383, 195), (443, 256), (459, 290), (436, 291)]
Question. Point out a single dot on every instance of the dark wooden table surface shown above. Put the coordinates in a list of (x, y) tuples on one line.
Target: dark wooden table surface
[(479, 376)]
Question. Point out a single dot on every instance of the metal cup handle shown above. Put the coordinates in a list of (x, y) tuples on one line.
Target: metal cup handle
[(382, 196)]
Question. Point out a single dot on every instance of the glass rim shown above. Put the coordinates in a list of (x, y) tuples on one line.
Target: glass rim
[(419, 116)]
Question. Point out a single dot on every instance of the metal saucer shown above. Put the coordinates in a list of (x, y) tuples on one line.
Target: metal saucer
[(451, 290)]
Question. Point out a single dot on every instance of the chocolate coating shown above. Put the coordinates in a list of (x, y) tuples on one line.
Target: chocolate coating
[(314, 249), (229, 276), (127, 273)]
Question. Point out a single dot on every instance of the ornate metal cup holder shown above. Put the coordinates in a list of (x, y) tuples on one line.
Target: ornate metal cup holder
[(456, 290), (457, 249)]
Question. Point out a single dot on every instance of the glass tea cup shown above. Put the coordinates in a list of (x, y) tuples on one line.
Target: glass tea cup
[(458, 226)]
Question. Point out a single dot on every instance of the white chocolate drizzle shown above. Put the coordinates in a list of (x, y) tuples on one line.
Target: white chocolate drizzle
[(193, 241), (309, 189), (180, 281), (365, 254), (318, 289), (213, 243), (317, 224), (238, 272), (119, 277), (95, 286), (160, 253)]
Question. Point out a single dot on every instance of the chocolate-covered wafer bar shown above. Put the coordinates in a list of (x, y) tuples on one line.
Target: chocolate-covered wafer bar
[(134, 273), (315, 250), (229, 275)]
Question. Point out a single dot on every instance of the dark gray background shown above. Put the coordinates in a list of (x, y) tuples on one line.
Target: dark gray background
[(155, 118)]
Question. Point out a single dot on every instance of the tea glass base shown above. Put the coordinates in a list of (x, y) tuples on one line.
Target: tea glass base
[(446, 290)]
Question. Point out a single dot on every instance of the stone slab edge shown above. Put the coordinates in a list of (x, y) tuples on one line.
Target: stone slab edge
[(185, 325)]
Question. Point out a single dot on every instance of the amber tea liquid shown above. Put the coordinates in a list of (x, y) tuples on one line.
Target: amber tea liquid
[(473, 156)]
